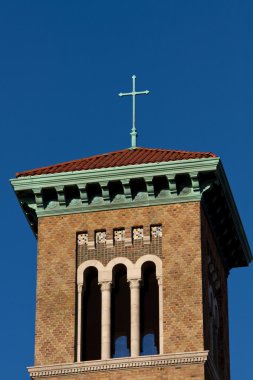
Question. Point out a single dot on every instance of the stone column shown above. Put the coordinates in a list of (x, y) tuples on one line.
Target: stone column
[(135, 316), (160, 295), (106, 320), (79, 320)]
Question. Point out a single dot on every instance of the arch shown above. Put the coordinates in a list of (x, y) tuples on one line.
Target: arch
[(86, 264), (154, 259), (120, 260)]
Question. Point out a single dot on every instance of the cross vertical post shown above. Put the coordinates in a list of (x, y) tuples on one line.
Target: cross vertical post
[(133, 94)]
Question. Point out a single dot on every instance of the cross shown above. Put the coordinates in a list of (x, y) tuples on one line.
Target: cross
[(133, 94)]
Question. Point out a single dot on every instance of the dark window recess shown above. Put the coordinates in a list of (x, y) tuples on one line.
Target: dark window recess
[(91, 316), (149, 311), (120, 313)]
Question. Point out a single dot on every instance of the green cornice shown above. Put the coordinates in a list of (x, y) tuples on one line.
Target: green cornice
[(221, 175), (115, 173), (140, 186), (122, 205)]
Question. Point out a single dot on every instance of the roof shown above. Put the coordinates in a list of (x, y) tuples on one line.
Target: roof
[(119, 158)]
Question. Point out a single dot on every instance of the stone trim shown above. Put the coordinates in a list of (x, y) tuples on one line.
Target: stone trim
[(133, 269), (181, 358)]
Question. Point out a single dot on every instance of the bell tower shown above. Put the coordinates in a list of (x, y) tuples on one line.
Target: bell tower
[(134, 251)]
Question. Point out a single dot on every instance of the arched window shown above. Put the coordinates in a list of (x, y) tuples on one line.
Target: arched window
[(120, 313), (122, 303), (91, 316), (149, 310)]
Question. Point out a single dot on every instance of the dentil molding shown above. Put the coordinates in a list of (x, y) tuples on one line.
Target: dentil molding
[(182, 358)]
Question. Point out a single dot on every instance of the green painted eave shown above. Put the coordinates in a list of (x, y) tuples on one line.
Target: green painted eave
[(206, 175), (221, 176), (115, 173)]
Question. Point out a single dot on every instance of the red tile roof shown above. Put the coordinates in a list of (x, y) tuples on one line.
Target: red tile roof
[(119, 158)]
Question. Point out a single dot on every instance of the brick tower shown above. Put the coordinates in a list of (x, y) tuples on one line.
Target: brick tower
[(134, 251)]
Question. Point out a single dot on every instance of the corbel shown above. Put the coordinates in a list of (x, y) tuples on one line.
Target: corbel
[(172, 184), (83, 193), (195, 182), (150, 186), (60, 195), (105, 191), (38, 197), (127, 189)]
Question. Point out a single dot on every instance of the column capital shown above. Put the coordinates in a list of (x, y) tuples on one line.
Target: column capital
[(134, 283), (80, 287), (159, 280), (105, 285)]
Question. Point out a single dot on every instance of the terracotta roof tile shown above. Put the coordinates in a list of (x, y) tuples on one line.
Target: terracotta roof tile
[(119, 158)]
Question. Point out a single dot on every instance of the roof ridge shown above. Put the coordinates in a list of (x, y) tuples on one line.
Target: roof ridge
[(178, 151)]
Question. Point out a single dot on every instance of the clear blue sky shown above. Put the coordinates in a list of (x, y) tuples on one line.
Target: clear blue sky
[(62, 65)]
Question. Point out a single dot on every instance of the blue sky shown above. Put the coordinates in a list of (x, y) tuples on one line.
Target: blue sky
[(62, 65)]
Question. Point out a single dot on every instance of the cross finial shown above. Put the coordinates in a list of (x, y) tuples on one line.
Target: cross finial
[(133, 94)]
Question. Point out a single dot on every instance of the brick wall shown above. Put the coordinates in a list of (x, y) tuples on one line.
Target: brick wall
[(194, 372), (182, 283)]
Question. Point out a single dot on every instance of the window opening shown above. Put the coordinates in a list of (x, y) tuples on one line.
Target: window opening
[(91, 316), (149, 310), (120, 313), (148, 345)]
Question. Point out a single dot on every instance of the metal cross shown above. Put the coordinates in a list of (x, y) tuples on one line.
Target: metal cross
[(133, 94)]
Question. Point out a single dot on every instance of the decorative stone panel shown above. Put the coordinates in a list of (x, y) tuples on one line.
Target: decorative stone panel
[(137, 233), (156, 232), (119, 235), (82, 239), (100, 237)]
